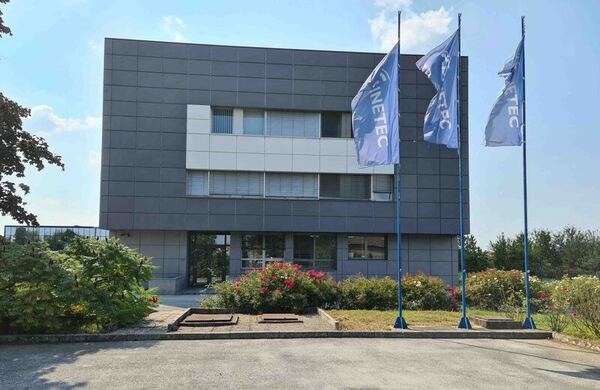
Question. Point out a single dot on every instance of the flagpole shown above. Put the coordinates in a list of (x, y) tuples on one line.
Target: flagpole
[(464, 320), (528, 323), (400, 322)]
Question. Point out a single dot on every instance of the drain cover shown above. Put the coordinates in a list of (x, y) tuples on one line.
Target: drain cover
[(278, 318)]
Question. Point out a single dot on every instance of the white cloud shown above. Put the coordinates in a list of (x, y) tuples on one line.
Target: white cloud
[(44, 121), (418, 29), (173, 27), (95, 47), (94, 158)]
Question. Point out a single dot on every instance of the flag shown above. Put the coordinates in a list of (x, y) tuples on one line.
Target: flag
[(375, 115), (440, 65), (505, 121)]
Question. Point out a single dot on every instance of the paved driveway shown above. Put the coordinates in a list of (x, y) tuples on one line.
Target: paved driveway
[(302, 363)]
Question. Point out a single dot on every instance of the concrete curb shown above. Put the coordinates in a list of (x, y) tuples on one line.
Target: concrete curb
[(582, 343), (407, 334), (335, 324)]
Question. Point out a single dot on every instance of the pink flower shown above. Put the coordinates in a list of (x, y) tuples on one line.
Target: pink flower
[(452, 292), (289, 283), (573, 313), (543, 296), (264, 289), (237, 284)]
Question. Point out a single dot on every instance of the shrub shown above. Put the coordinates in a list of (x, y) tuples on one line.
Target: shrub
[(279, 287), (495, 289), (558, 308), (91, 286), (581, 296), (359, 292), (422, 292)]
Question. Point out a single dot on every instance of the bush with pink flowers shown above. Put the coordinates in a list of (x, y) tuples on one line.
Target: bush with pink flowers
[(279, 287)]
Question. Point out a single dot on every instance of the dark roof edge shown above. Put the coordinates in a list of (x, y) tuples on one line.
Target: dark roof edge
[(261, 47)]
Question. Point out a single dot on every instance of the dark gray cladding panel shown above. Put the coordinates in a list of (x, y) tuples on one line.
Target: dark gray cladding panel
[(148, 85)]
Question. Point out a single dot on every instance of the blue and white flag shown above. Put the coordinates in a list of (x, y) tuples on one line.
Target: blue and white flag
[(375, 115), (440, 65), (505, 121)]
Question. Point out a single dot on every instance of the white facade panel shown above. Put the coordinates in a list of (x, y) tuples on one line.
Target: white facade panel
[(198, 126), (305, 163), (222, 143), (250, 144), (195, 111), (332, 164), (197, 160), (250, 162), (198, 142), (278, 162), (267, 153), (220, 161), (333, 147), (276, 145)]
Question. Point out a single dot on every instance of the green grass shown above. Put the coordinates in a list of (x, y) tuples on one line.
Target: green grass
[(382, 320)]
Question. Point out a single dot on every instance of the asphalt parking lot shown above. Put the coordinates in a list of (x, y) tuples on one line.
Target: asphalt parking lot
[(302, 363)]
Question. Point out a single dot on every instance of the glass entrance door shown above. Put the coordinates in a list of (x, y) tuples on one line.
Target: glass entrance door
[(208, 258)]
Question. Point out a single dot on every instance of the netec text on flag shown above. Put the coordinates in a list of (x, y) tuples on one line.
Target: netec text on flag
[(440, 65), (505, 121), (375, 115)]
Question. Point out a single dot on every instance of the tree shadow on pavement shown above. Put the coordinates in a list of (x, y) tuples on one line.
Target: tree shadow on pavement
[(28, 366), (587, 373)]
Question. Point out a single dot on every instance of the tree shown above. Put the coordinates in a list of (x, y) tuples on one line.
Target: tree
[(18, 148), (476, 259)]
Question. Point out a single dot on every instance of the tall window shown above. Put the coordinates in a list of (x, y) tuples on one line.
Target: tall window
[(383, 187), (345, 186), (222, 120), (254, 122), (367, 247), (316, 251), (197, 183), (336, 125), (293, 124), (260, 249), (236, 183), (292, 185)]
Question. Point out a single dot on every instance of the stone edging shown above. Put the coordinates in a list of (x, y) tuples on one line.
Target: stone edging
[(582, 343), (330, 320), (412, 334)]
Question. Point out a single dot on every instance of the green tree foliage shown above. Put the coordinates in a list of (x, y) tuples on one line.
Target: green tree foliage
[(570, 251), (18, 148), (476, 258), (91, 285)]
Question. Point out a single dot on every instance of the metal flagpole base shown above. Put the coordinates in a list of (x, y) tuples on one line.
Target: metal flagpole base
[(529, 324), (400, 323), (464, 323)]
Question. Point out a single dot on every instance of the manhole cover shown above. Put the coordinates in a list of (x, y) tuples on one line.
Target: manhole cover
[(278, 318), (209, 318)]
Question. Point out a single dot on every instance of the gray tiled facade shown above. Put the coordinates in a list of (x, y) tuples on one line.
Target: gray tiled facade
[(147, 87)]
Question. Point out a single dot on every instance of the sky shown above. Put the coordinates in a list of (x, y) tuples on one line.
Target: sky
[(53, 65)]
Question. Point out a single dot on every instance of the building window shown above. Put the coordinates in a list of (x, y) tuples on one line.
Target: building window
[(383, 187), (317, 251), (222, 120), (292, 185), (293, 124), (236, 183), (345, 186), (367, 247), (197, 183), (254, 122), (336, 125), (260, 249)]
